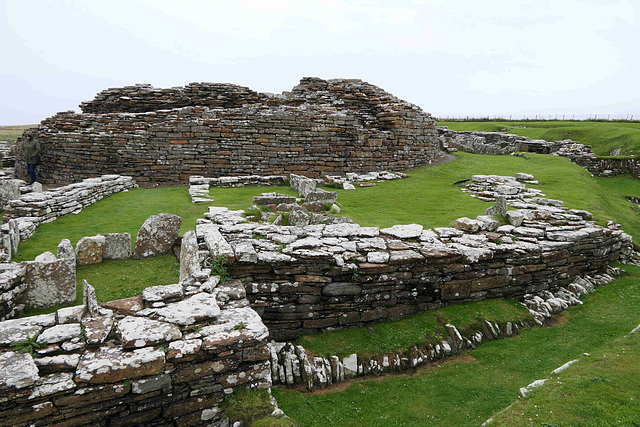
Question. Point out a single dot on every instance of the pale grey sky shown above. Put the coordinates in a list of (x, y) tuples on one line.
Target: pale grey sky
[(452, 58)]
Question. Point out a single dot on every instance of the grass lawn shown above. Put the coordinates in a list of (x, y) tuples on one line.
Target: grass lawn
[(399, 335), (467, 390), (11, 133), (602, 136)]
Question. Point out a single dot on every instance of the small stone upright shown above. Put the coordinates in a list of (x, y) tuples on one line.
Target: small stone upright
[(157, 235)]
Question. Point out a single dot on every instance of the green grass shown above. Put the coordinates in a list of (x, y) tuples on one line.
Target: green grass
[(118, 213), (467, 390), (117, 279), (428, 197), (11, 133), (399, 335), (602, 389), (602, 136), (253, 408)]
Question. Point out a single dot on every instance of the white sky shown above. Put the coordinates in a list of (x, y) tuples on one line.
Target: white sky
[(452, 58)]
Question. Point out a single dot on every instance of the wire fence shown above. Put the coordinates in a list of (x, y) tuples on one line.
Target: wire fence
[(545, 117)]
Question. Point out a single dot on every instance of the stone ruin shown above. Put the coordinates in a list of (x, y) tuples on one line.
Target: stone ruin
[(496, 143), (167, 135), (172, 354)]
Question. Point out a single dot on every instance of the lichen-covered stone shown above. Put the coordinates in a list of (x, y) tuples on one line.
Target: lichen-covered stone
[(135, 332), (17, 370), (117, 246), (50, 282), (199, 307), (163, 293), (189, 255), (60, 333), (112, 364), (157, 235), (89, 250)]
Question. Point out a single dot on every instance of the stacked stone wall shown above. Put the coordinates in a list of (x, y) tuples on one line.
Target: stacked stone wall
[(168, 357), (22, 215), (319, 127), (495, 143), (143, 98), (307, 279)]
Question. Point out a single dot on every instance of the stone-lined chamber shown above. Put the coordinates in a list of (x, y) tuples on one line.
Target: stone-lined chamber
[(312, 278), (168, 135), (167, 357)]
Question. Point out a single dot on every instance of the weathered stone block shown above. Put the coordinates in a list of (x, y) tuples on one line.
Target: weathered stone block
[(50, 281), (157, 235), (189, 255), (114, 364), (117, 246), (89, 250)]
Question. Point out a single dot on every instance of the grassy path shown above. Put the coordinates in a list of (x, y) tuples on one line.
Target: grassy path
[(468, 390)]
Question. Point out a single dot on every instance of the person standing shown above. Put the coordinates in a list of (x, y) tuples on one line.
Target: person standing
[(31, 153)]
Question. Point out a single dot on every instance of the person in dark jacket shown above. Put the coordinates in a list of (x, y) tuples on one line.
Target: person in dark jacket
[(31, 153)]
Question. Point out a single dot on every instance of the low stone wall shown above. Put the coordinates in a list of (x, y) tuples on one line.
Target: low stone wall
[(308, 279), (199, 185), (168, 357), (495, 143), (292, 365), (24, 214)]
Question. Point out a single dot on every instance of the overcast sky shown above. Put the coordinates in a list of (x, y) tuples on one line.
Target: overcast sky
[(452, 58)]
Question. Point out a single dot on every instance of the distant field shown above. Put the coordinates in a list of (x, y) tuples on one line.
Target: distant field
[(10, 133), (603, 136)]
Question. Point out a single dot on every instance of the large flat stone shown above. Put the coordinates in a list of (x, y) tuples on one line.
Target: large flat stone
[(50, 282), (135, 332), (157, 235), (114, 364), (200, 307), (410, 231)]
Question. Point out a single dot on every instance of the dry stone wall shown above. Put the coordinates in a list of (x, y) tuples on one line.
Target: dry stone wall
[(319, 127), (308, 279), (144, 98), (495, 143), (167, 357), (23, 214), (292, 365)]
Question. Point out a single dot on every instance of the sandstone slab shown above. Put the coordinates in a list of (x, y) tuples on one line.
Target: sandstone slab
[(113, 364), (157, 235)]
